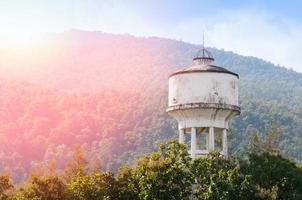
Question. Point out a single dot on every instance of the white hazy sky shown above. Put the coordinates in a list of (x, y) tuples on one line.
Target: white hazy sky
[(269, 29)]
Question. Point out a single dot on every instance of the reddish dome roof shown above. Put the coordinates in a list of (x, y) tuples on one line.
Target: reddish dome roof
[(202, 63), (206, 68)]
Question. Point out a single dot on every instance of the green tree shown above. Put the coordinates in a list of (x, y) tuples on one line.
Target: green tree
[(128, 184), (78, 165), (165, 174), (95, 165), (96, 186), (272, 140), (218, 178), (270, 143), (255, 143), (5, 186), (44, 188), (274, 177)]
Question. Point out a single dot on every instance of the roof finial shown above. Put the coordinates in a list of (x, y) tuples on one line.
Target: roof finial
[(203, 55), (203, 43), (203, 39)]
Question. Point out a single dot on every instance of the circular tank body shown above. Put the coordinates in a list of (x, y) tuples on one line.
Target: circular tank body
[(203, 96)]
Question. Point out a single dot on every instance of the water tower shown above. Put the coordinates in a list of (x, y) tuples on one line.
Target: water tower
[(203, 98)]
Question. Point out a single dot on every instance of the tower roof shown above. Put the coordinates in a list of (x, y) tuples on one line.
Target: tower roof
[(203, 63)]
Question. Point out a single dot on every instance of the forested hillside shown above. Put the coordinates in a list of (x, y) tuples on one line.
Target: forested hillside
[(109, 94)]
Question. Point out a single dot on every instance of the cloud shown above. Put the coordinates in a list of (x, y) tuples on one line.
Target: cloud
[(110, 16), (249, 32)]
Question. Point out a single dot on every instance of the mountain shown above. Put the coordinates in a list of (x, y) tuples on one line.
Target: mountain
[(109, 93)]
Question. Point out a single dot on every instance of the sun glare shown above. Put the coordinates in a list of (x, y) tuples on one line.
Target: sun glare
[(16, 37)]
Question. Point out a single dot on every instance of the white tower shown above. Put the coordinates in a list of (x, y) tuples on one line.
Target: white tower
[(203, 98)]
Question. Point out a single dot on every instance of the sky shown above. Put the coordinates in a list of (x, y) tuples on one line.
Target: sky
[(268, 29)]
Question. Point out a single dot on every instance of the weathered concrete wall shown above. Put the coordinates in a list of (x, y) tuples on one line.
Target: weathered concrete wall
[(203, 99), (204, 87)]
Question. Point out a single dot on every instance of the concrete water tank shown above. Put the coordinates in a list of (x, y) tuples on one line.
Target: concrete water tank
[(203, 98)]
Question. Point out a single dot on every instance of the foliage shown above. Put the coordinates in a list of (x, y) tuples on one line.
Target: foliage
[(77, 165), (44, 188), (169, 173), (165, 174), (93, 187), (218, 178), (269, 144), (128, 183), (272, 140), (274, 177), (5, 186)]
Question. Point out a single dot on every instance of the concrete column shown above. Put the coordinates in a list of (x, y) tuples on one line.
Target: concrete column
[(207, 140), (193, 143), (211, 139), (182, 136), (225, 142)]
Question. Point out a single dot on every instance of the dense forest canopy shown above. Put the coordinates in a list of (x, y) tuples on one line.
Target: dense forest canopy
[(167, 173), (109, 93)]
